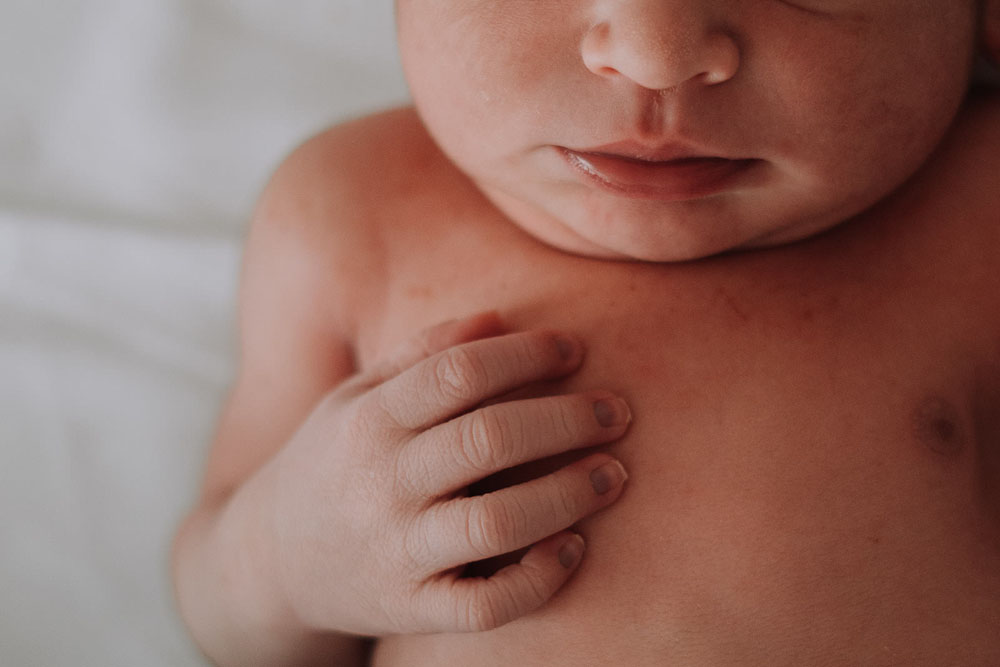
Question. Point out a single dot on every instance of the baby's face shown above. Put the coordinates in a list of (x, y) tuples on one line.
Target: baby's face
[(673, 129)]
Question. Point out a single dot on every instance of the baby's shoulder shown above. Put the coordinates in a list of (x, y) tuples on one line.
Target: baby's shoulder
[(358, 160), (339, 179), (327, 206)]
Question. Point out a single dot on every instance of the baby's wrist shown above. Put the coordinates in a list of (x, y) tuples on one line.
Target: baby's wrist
[(263, 616), (233, 601), (244, 548)]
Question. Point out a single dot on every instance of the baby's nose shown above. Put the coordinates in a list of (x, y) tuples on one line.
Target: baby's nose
[(659, 44)]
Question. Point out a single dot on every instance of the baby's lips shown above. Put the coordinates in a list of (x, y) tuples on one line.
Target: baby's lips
[(672, 180)]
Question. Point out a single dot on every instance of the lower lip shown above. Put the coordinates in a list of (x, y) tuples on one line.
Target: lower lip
[(675, 180)]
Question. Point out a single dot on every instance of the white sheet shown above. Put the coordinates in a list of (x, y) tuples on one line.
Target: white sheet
[(134, 137)]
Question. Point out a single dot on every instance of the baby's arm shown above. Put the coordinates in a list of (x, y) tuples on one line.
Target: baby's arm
[(333, 499), (288, 359)]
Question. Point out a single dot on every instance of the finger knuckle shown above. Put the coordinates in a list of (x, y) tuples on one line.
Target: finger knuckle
[(482, 610), (565, 503), (365, 424), (533, 589), (367, 417), (416, 545), (539, 591), (461, 374), (482, 437), (564, 421), (490, 526), (413, 474)]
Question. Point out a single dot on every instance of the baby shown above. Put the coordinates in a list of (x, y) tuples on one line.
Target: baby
[(746, 250)]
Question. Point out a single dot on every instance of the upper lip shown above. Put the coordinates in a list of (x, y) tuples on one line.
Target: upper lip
[(644, 152)]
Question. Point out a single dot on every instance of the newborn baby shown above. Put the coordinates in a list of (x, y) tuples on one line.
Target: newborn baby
[(744, 250)]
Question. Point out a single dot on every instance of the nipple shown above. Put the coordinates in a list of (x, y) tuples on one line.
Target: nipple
[(938, 425)]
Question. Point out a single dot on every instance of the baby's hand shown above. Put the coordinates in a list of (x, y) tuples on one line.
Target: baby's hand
[(372, 520)]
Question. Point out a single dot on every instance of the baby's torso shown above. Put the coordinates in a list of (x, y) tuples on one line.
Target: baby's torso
[(815, 454)]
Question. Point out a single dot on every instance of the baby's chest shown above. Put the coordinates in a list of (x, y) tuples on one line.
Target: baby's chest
[(753, 380), (793, 448)]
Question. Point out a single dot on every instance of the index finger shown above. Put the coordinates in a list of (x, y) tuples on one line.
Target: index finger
[(460, 378)]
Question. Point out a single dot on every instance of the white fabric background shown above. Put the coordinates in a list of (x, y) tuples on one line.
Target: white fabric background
[(134, 138)]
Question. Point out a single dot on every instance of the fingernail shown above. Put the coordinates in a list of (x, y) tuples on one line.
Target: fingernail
[(571, 552), (611, 412), (607, 477), (567, 347)]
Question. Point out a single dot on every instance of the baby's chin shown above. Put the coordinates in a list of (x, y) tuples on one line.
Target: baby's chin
[(626, 231)]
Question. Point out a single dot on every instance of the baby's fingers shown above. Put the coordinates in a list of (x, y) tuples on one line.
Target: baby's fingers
[(477, 605), (455, 454), (464, 376), (468, 529)]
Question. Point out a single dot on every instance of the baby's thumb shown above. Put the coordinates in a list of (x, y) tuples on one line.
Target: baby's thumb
[(433, 340)]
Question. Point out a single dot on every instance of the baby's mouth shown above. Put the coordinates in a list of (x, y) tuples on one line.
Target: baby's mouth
[(675, 179)]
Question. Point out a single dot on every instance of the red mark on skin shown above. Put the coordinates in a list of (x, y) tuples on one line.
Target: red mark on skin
[(733, 304)]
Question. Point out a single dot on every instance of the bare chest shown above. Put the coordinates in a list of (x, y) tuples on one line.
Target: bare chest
[(850, 347), (815, 428)]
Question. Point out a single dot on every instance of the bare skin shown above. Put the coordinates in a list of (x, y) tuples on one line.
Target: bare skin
[(814, 457), (816, 448), (810, 428)]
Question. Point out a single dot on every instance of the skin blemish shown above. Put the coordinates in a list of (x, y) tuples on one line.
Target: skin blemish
[(938, 426), (740, 312), (733, 305)]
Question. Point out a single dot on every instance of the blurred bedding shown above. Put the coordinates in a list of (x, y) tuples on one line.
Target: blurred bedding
[(134, 137)]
